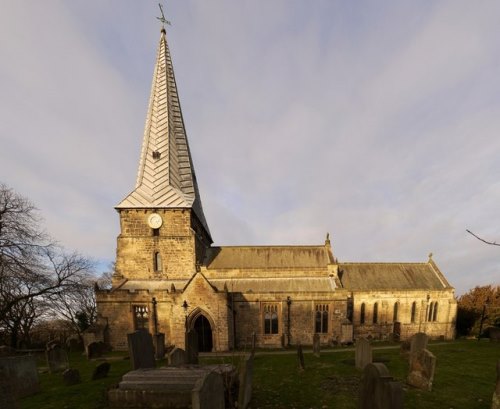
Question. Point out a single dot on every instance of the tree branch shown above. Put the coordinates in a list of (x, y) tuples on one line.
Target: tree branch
[(491, 243)]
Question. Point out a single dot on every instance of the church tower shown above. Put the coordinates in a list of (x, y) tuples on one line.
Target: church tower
[(163, 231)]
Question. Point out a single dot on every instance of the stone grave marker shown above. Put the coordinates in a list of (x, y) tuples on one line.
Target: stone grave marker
[(71, 377), (346, 332), (363, 353), (378, 390), (57, 358), (159, 342), (494, 333), (140, 348), (245, 378), (21, 373), (316, 345), (96, 349), (495, 402), (422, 368), (418, 342), (8, 399), (300, 357), (101, 371), (192, 347), (177, 357)]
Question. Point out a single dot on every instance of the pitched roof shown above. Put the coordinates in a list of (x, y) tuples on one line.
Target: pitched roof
[(276, 285), (249, 257), (166, 177), (385, 276)]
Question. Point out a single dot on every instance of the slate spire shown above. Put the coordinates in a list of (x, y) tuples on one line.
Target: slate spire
[(166, 177)]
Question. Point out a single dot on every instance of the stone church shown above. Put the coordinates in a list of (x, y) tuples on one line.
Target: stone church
[(169, 276)]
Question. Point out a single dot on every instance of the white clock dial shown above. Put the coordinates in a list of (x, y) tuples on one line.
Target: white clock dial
[(155, 221)]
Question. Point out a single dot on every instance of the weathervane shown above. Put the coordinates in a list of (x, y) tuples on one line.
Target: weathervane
[(162, 18)]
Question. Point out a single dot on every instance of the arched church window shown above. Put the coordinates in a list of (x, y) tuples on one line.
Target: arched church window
[(141, 317), (271, 319), (395, 312), (435, 313), (375, 313), (321, 319), (362, 314), (429, 316), (157, 261), (413, 311)]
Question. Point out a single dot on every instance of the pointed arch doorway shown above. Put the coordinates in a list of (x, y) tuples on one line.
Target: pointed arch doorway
[(204, 331)]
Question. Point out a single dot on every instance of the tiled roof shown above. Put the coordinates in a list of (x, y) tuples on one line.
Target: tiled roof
[(385, 276), (278, 285), (166, 177), (262, 257)]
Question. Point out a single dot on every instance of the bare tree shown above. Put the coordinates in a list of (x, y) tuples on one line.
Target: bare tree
[(32, 266)]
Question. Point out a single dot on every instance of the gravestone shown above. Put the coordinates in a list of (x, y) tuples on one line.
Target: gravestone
[(346, 332), (245, 378), (495, 402), (21, 373), (422, 368), (378, 390), (8, 399), (177, 357), (404, 349), (159, 343), (71, 377), (101, 371), (57, 358), (300, 357), (96, 349), (316, 345), (396, 331), (192, 347), (418, 342), (6, 350), (363, 353), (140, 348), (494, 333)]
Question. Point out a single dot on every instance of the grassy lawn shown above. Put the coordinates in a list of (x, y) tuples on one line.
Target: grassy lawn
[(465, 379)]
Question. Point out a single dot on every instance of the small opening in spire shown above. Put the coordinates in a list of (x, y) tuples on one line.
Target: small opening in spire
[(156, 155)]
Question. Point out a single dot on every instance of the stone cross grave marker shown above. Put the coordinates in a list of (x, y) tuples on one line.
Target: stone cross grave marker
[(378, 390), (140, 348), (495, 403), (177, 357), (363, 353), (57, 358), (21, 374), (316, 345), (192, 347), (300, 357), (159, 342), (422, 368), (245, 378), (418, 342)]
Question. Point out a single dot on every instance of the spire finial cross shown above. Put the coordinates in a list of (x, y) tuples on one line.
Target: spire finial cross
[(162, 18)]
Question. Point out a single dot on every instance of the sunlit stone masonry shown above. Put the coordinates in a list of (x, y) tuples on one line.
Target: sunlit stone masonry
[(170, 277)]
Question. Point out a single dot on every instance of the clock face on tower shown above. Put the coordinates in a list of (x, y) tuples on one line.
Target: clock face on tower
[(155, 221)]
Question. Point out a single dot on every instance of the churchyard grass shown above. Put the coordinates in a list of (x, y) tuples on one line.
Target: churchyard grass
[(465, 378)]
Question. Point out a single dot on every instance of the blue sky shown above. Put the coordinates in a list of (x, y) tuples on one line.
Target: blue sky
[(378, 122)]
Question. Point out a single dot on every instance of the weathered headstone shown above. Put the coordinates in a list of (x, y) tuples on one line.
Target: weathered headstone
[(57, 358), (418, 342), (21, 373), (346, 332), (300, 357), (363, 353), (495, 402), (396, 331), (245, 378), (159, 343), (177, 357), (207, 394), (101, 371), (140, 348), (192, 347), (422, 368), (8, 399), (404, 349), (71, 377), (378, 389), (494, 333), (96, 349), (316, 345)]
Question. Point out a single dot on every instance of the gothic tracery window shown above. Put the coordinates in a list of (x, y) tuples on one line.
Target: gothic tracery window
[(375, 313), (141, 317), (413, 311), (157, 261), (362, 314), (270, 319), (321, 319)]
